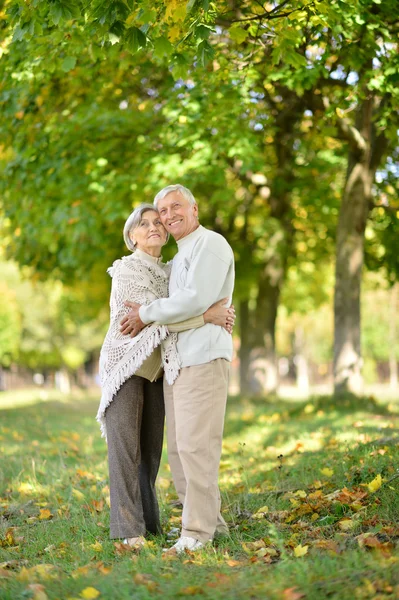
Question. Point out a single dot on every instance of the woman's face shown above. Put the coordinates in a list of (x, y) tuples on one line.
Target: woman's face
[(149, 235)]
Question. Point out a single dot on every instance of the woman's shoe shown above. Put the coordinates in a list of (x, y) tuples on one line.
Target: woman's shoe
[(135, 542)]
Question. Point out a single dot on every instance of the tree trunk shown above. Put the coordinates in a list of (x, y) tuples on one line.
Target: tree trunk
[(393, 359), (245, 348), (364, 157), (301, 363), (264, 373)]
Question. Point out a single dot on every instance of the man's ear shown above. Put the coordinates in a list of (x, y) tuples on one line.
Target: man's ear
[(195, 209)]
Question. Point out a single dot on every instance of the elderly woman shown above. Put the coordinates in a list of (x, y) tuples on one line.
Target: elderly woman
[(131, 411)]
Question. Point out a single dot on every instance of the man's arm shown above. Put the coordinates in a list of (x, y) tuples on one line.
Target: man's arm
[(205, 278)]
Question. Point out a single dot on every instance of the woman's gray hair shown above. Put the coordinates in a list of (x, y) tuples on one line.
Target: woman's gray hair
[(185, 192), (134, 221)]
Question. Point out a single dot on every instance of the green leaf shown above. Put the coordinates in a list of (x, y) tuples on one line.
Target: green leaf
[(63, 10), (205, 53), (134, 39), (162, 47), (202, 32), (238, 34), (68, 63), (180, 67)]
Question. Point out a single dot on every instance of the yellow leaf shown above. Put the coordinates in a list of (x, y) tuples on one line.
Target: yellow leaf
[(97, 546), (89, 593), (346, 524), (300, 494), (191, 590), (77, 494), (300, 550), (314, 517), (80, 571), (375, 485), (327, 472), (174, 33), (45, 514), (260, 513)]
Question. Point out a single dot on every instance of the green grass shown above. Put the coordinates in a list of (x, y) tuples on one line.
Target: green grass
[(293, 458)]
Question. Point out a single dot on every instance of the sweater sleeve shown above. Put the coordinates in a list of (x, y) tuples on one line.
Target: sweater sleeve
[(205, 278), (192, 323)]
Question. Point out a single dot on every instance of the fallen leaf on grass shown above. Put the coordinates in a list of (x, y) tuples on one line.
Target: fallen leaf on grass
[(300, 494), (329, 545), (346, 524), (89, 593), (43, 571), (103, 569), (38, 591), (121, 548), (300, 550), (143, 579), (81, 571), (191, 590), (375, 485), (5, 573), (327, 472), (98, 505), (292, 593), (221, 579), (260, 513), (45, 514), (78, 495), (233, 563), (97, 546)]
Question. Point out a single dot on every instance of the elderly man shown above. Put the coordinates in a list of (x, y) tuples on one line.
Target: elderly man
[(202, 273)]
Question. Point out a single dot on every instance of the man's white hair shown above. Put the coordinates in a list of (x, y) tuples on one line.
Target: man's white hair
[(185, 192)]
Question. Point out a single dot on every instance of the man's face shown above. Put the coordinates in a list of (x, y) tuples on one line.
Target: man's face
[(179, 217)]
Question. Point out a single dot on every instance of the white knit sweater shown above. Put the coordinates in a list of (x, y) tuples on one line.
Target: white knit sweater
[(136, 280)]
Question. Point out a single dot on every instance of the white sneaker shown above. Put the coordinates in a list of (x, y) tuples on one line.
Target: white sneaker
[(186, 543)]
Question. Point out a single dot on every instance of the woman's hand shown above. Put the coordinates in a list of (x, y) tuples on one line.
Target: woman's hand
[(218, 314)]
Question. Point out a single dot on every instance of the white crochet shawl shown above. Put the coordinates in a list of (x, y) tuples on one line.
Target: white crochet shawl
[(137, 280)]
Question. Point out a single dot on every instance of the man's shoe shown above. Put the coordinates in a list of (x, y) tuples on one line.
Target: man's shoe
[(186, 543)]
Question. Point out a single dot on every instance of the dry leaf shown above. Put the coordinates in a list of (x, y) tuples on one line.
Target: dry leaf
[(300, 550), (346, 524), (327, 472), (300, 494), (45, 514), (97, 546), (143, 579), (5, 573), (89, 593), (121, 548), (375, 485), (98, 505), (81, 571), (292, 594), (191, 590), (232, 563), (38, 591), (329, 545), (78, 495)]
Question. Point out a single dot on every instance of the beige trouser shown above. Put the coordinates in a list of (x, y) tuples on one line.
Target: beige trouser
[(195, 406)]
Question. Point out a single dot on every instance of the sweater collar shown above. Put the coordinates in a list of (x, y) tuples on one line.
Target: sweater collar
[(147, 257), (190, 237)]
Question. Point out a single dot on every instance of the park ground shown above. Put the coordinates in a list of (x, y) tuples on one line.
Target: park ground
[(310, 492)]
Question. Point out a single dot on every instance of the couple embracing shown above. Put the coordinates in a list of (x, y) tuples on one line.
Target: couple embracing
[(167, 351)]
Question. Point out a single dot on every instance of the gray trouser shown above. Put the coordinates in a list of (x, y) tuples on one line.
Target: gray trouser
[(135, 424)]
